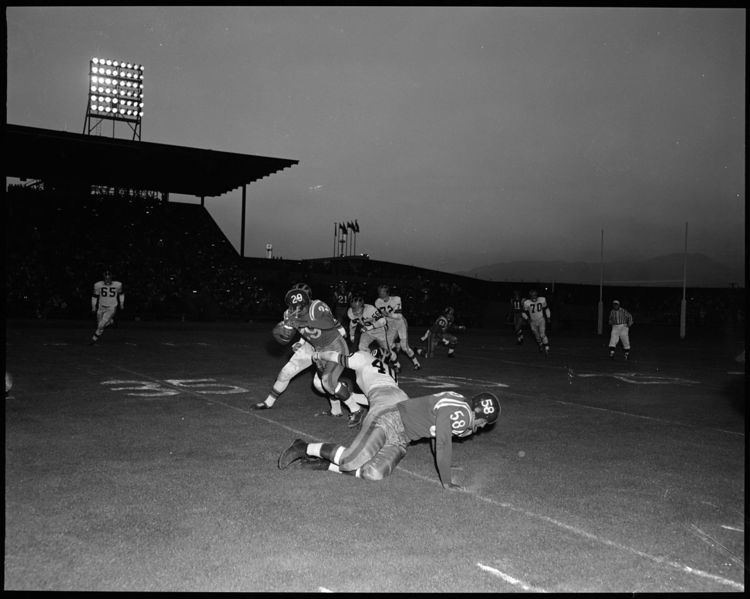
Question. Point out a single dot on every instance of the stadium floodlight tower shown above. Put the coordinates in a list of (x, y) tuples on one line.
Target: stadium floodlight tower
[(115, 94)]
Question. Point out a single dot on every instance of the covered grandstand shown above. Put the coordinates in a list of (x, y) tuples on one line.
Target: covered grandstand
[(89, 201)]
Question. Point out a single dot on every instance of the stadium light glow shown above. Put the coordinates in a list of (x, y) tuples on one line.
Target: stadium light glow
[(113, 84)]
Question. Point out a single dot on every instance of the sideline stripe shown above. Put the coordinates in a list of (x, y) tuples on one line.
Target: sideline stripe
[(575, 530), (510, 579)]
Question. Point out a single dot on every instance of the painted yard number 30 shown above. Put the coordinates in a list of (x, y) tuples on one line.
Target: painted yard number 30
[(176, 386)]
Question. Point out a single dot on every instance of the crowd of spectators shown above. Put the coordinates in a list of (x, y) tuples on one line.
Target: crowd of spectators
[(175, 263)]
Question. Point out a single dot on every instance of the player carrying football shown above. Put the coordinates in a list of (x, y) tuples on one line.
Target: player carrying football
[(319, 331), (397, 329), (107, 296)]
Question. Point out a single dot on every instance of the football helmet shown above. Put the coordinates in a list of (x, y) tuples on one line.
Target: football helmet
[(378, 353), (297, 300), (357, 305), (383, 291), (304, 287), (107, 275), (449, 311), (486, 406), (533, 294)]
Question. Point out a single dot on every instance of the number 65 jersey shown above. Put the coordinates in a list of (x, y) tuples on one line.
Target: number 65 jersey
[(107, 294)]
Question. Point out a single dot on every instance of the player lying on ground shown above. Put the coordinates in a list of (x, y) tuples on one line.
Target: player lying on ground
[(387, 432)]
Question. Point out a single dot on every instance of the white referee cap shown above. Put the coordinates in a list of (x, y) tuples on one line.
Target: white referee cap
[(616, 302)]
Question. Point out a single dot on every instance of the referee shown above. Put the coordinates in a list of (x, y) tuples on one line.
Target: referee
[(621, 320)]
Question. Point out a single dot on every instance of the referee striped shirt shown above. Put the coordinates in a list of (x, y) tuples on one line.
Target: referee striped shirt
[(620, 316)]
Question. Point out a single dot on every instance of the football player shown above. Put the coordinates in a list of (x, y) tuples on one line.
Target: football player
[(438, 334), (106, 298), (516, 311), (341, 299), (536, 312), (319, 331), (367, 321), (397, 329), (384, 438)]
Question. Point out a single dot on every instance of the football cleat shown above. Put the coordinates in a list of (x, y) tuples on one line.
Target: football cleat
[(296, 451), (355, 418), (261, 406)]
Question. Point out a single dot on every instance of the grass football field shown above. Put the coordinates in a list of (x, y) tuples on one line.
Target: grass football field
[(137, 465)]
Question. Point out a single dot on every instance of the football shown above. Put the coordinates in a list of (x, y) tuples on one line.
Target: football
[(283, 333)]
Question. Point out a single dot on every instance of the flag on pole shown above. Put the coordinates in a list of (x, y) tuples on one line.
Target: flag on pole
[(350, 225), (356, 227), (342, 228)]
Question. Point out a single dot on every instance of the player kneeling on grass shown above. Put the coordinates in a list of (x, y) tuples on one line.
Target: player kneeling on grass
[(381, 443)]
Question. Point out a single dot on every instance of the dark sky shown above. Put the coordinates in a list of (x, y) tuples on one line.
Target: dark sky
[(456, 136)]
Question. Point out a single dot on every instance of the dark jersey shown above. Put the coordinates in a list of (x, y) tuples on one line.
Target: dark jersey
[(318, 326), (442, 324), (442, 416)]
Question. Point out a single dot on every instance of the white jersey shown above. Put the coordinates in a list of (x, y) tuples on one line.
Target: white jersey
[(371, 371), (390, 307), (536, 309), (107, 294), (370, 319)]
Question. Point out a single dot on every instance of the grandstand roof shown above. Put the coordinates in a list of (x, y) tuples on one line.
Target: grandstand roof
[(75, 158)]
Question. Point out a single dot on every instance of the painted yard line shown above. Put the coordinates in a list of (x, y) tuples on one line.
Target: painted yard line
[(568, 527), (510, 579), (586, 406), (714, 544), (664, 420), (733, 528)]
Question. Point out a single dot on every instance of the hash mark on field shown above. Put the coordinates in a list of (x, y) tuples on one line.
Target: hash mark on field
[(510, 579), (733, 528)]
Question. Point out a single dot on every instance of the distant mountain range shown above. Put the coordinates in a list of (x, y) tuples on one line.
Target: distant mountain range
[(662, 271)]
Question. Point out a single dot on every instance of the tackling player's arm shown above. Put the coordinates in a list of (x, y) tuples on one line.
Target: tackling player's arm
[(121, 298), (378, 320)]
